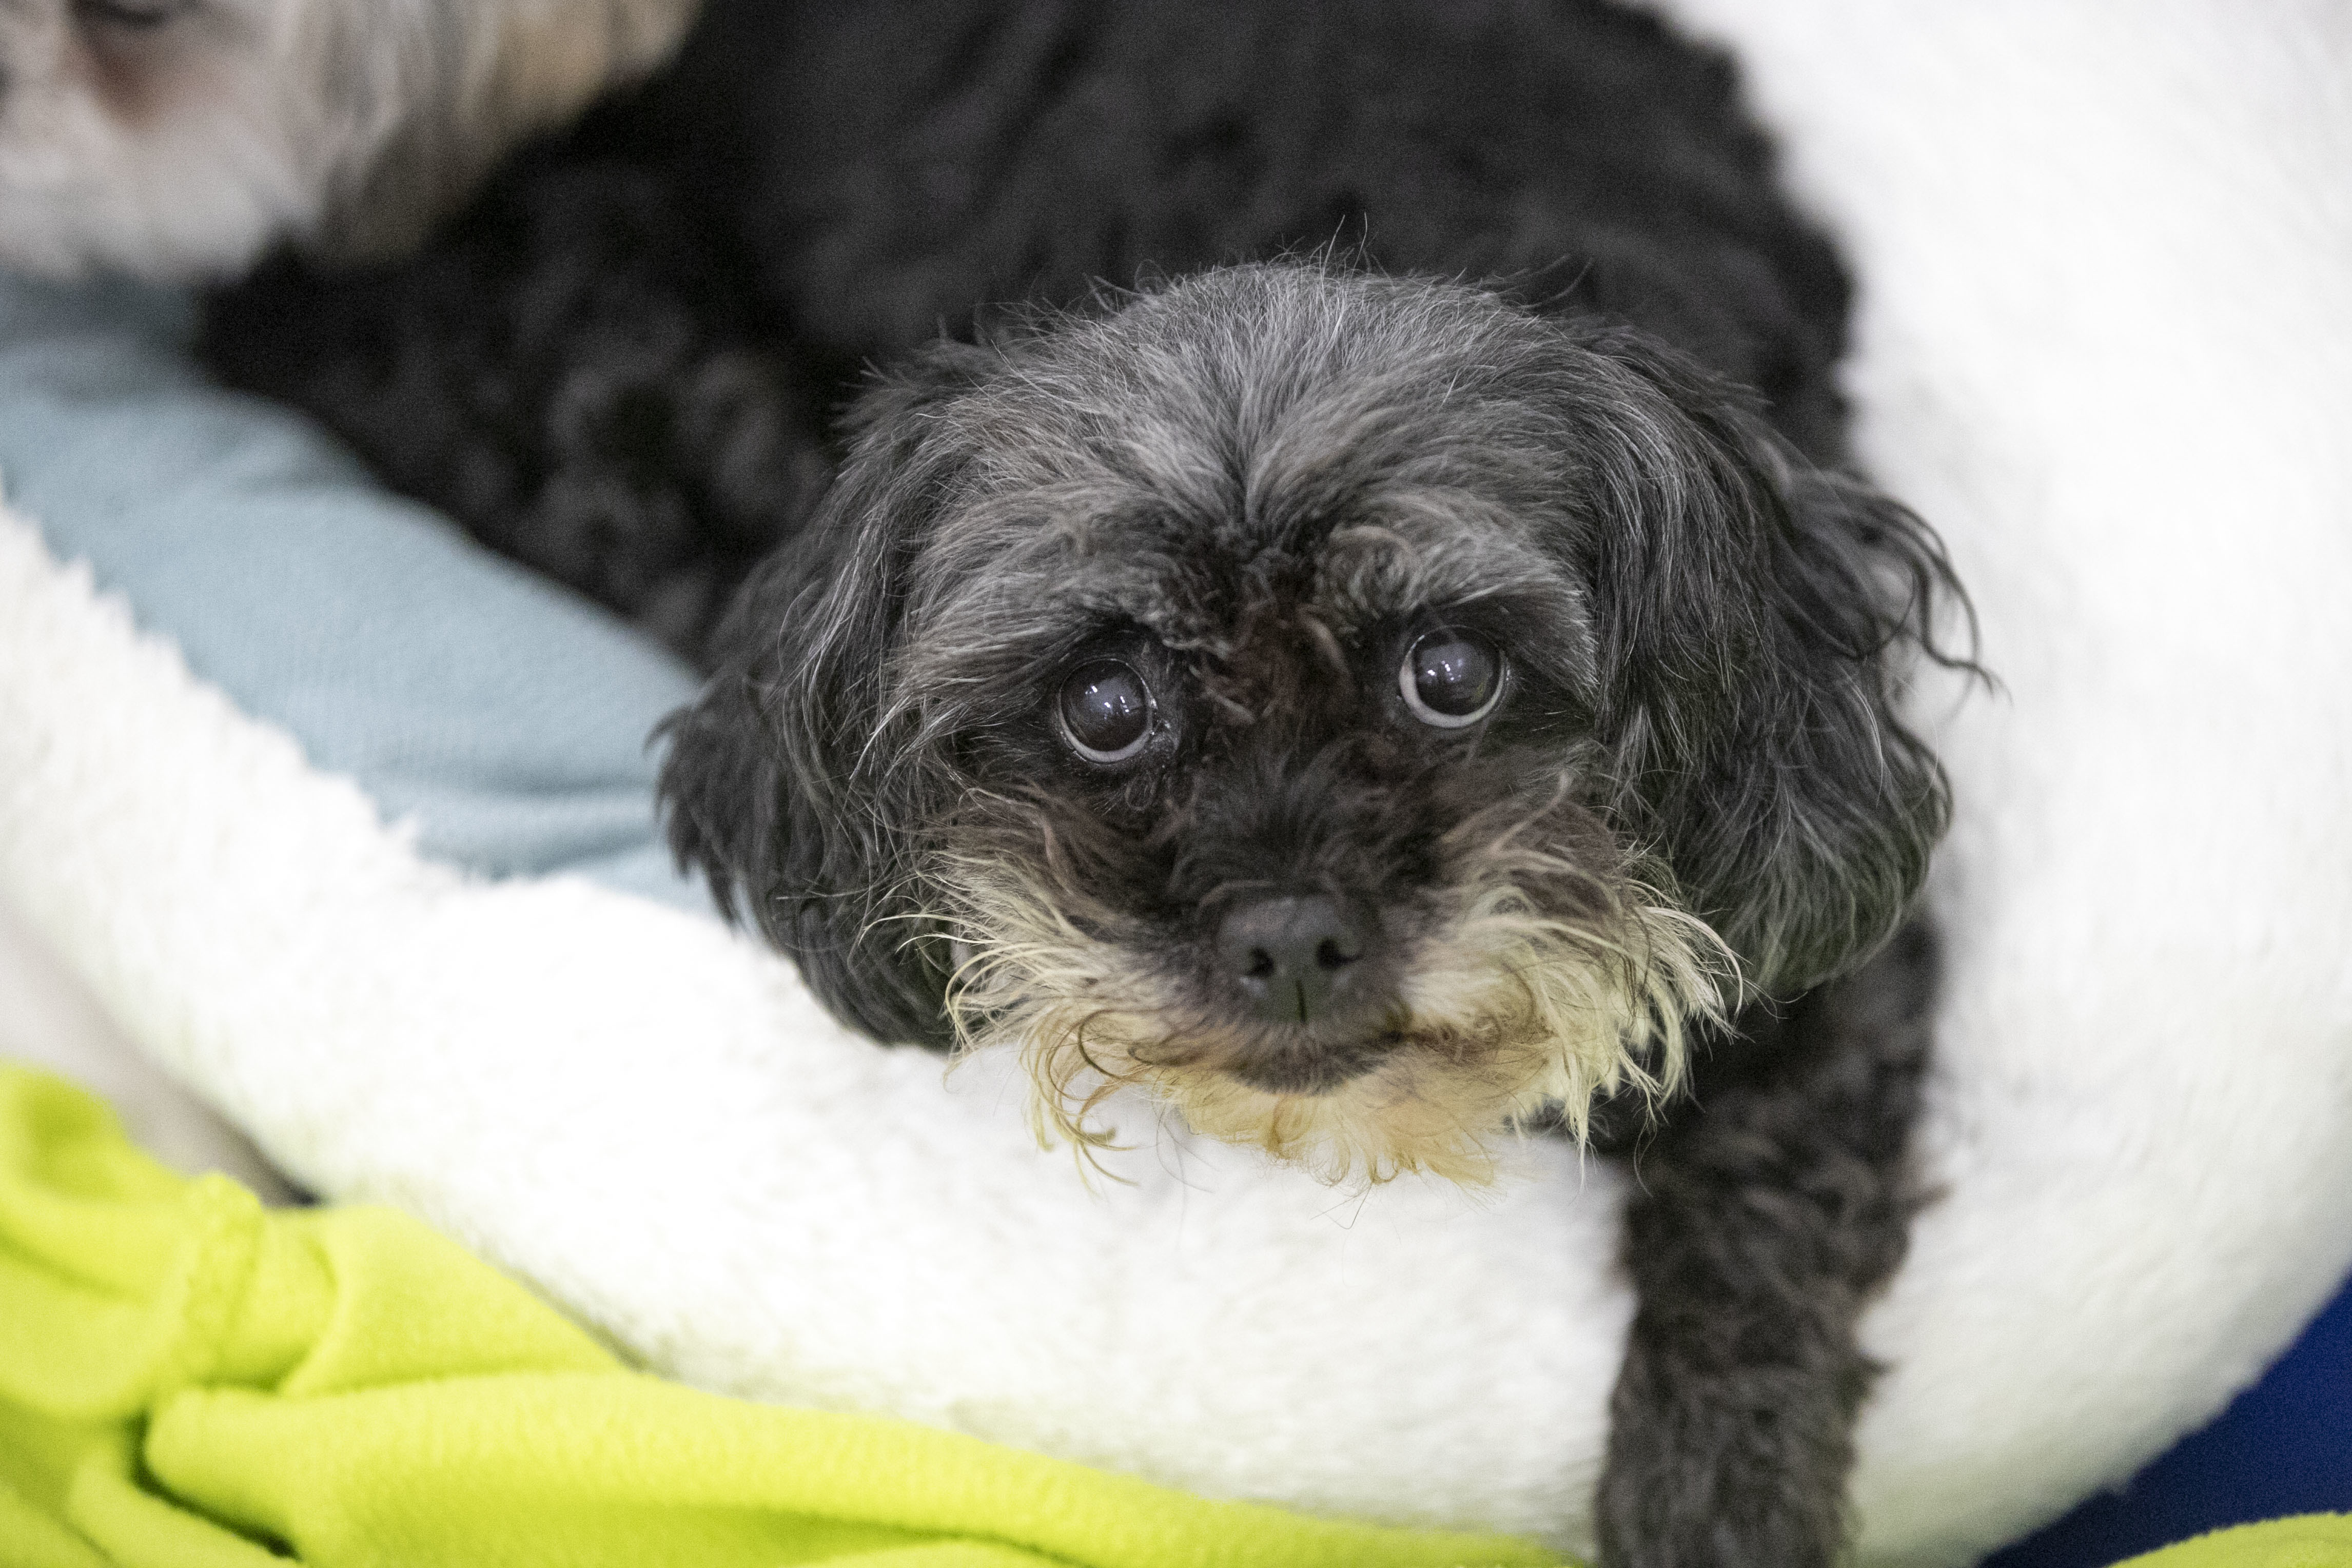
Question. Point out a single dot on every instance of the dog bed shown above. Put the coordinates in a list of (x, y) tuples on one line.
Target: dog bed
[(2102, 344)]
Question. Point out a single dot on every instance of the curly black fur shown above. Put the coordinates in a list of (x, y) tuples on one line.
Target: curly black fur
[(1767, 1212), (577, 371), (1565, 348)]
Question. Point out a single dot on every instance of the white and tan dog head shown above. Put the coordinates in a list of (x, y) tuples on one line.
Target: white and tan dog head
[(1361, 711), (176, 139)]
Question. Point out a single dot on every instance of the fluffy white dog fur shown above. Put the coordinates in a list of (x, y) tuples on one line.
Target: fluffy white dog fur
[(178, 138), (2106, 344)]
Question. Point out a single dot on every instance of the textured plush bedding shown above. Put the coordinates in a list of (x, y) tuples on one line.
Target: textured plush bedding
[(2104, 344)]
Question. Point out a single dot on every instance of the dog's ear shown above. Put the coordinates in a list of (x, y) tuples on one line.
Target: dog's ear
[(780, 785), (1757, 615)]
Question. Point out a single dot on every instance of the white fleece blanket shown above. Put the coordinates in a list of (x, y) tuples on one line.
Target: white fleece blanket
[(2106, 344)]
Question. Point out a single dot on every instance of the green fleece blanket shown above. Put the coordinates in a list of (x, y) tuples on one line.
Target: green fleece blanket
[(188, 1380)]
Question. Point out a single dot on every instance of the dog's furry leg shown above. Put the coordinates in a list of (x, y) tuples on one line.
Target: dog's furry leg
[(1764, 1216), (574, 372)]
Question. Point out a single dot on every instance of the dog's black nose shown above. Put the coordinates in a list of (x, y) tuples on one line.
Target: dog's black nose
[(1293, 958)]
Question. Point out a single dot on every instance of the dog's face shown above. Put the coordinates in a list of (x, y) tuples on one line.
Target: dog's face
[(1360, 710), (175, 139)]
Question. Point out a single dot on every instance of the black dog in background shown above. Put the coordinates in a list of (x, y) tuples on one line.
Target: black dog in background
[(1366, 703)]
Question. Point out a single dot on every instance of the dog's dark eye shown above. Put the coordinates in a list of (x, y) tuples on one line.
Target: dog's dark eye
[(1451, 678), (1105, 711)]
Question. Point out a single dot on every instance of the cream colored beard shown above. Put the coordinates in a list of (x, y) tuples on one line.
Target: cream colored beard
[(1506, 1013)]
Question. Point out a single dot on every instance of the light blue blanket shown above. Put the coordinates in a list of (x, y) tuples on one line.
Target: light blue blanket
[(504, 716)]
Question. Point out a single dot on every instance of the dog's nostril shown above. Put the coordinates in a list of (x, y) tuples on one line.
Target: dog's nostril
[(1289, 957)]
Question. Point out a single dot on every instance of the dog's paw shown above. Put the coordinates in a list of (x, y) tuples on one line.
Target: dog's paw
[(1739, 1470)]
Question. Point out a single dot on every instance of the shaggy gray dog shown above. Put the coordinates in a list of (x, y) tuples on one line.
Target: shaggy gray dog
[(1366, 703)]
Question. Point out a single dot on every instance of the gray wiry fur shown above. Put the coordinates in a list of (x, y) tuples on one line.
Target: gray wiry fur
[(1254, 485), (1255, 488)]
